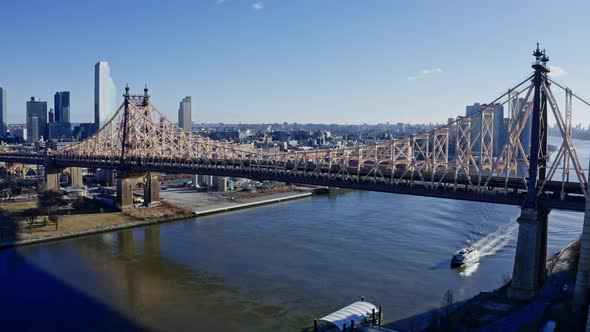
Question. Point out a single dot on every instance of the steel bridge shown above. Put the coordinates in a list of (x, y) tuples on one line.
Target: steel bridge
[(461, 160), (139, 139)]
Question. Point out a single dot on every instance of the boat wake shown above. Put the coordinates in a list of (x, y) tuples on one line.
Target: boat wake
[(493, 242), (488, 245)]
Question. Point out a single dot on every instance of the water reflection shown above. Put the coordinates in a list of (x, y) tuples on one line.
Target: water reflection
[(35, 300), (274, 268), (128, 274), (468, 269)]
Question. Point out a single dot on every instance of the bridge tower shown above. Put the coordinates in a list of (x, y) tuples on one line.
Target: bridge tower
[(126, 179), (531, 250)]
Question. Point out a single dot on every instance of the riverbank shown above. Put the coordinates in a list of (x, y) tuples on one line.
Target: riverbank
[(15, 232)]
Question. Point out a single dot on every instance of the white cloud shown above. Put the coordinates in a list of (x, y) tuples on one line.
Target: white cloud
[(219, 2), (258, 5), (425, 72), (557, 71)]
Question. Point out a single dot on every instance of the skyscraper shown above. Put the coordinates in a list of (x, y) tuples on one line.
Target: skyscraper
[(525, 134), (498, 122), (471, 111), (36, 120), (61, 104), (499, 133), (184, 114), (105, 99), (60, 127), (2, 112)]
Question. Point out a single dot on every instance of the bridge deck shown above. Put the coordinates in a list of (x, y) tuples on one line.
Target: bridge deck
[(434, 185)]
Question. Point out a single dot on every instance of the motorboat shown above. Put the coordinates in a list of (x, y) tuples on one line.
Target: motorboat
[(464, 255)]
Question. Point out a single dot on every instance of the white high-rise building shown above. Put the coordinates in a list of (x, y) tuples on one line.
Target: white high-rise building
[(184, 114), (105, 94), (3, 127)]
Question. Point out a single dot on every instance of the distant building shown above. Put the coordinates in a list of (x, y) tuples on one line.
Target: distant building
[(105, 94), (51, 115), (83, 131), (61, 104), (19, 132), (59, 130), (184, 114), (525, 134), (36, 120), (499, 135), (60, 145), (3, 112)]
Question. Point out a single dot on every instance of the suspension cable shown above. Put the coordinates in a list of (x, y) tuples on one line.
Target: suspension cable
[(484, 106), (573, 94)]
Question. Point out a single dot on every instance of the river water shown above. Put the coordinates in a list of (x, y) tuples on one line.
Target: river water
[(271, 268)]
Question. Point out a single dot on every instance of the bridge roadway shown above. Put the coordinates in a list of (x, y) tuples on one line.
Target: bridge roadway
[(441, 185)]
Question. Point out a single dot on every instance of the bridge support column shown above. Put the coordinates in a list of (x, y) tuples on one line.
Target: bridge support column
[(581, 290), (51, 174), (151, 193), (531, 254), (76, 177), (125, 184), (52, 181)]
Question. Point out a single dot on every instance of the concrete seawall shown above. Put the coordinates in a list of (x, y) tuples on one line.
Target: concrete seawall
[(251, 204)]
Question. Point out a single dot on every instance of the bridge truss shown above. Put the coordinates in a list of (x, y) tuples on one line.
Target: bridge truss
[(462, 156)]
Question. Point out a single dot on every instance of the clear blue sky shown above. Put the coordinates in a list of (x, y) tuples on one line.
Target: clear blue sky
[(328, 61)]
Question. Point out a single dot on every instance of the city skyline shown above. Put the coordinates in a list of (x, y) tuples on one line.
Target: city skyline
[(251, 74)]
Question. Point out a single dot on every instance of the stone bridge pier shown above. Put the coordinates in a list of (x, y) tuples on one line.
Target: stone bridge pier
[(530, 259), (52, 174), (126, 181)]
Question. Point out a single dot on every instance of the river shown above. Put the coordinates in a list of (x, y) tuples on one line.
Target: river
[(271, 268)]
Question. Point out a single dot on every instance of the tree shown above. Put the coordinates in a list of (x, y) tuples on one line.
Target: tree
[(54, 217), (30, 216), (434, 319), (447, 302), (49, 200)]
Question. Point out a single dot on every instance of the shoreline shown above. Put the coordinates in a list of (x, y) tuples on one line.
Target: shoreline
[(140, 223)]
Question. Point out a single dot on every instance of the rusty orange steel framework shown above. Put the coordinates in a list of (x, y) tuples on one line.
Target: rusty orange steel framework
[(138, 135)]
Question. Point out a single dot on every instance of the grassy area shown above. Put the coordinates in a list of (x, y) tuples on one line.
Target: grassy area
[(18, 206), (14, 227), (81, 222)]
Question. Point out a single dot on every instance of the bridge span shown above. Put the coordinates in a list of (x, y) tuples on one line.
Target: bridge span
[(511, 191)]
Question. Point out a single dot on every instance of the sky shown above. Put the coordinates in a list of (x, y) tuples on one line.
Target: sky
[(320, 61)]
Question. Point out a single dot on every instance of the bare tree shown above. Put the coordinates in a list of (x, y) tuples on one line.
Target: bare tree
[(447, 302), (49, 200), (30, 216), (54, 217), (434, 319)]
